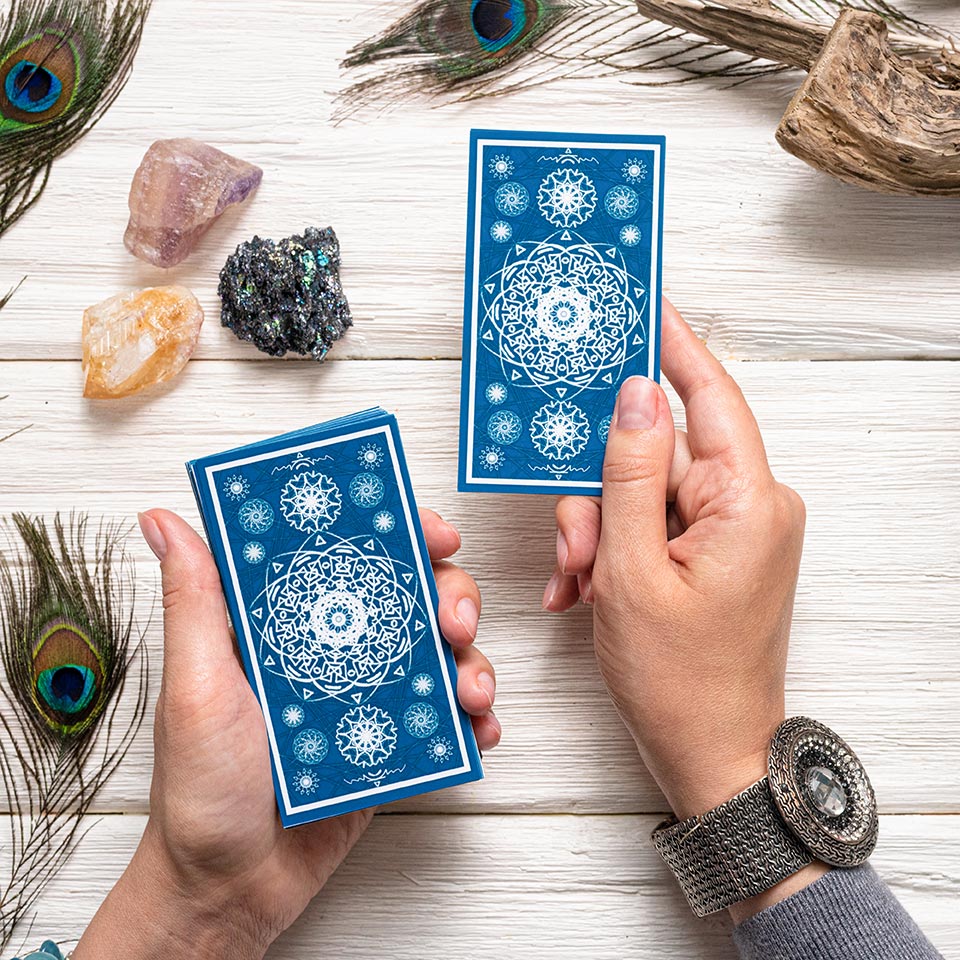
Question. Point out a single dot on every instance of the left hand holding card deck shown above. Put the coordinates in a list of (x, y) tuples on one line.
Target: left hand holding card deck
[(332, 596)]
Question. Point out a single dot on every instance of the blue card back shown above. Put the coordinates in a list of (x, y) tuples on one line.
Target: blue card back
[(330, 589), (561, 305)]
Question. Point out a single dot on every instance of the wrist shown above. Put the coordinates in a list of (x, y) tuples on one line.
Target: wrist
[(154, 911)]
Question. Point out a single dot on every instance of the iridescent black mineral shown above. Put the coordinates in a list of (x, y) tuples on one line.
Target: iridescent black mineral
[(286, 295)]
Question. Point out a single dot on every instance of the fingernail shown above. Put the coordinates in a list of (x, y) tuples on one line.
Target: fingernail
[(468, 615), (487, 685), (585, 583), (637, 406), (562, 550), (549, 595), (453, 530), (495, 723), (153, 535)]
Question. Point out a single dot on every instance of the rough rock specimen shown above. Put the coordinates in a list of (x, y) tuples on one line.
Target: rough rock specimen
[(179, 190), (137, 339), (286, 295)]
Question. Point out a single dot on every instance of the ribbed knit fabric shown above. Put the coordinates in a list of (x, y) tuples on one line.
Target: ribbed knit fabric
[(845, 915)]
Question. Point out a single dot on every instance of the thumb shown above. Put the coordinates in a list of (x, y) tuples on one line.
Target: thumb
[(636, 470), (197, 646)]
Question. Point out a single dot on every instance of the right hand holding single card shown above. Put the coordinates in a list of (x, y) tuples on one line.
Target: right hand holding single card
[(215, 861), (690, 560)]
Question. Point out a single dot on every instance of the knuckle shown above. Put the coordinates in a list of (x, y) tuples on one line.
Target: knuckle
[(631, 467), (795, 508)]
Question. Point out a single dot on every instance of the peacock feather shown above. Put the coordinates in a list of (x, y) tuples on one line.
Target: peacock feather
[(62, 64), (68, 648), (467, 47)]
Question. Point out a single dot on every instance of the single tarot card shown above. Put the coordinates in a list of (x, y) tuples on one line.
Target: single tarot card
[(331, 593), (562, 302)]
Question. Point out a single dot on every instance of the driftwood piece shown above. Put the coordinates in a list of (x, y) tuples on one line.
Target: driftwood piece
[(870, 117)]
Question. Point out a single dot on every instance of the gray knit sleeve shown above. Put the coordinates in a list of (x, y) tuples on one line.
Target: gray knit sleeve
[(845, 915)]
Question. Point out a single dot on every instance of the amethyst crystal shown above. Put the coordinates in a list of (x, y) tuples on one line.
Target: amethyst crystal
[(286, 295)]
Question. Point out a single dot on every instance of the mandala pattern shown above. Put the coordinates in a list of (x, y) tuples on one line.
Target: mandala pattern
[(292, 715), (562, 315), (384, 521), (492, 458), (366, 489), (370, 455), (336, 618), (634, 170), (567, 198), (621, 202), (501, 231), (501, 166), (256, 516), (496, 393), (366, 736), (310, 502), (504, 427), (512, 199), (440, 750), (603, 429), (254, 552), (422, 684), (306, 782), (630, 235), (421, 719), (236, 487), (559, 430), (310, 746)]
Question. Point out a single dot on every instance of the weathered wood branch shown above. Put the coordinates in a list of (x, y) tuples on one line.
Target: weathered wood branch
[(873, 118)]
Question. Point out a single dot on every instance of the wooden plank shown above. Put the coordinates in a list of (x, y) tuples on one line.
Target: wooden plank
[(536, 887), (871, 446), (769, 258)]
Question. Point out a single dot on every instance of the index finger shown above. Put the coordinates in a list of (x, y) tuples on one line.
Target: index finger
[(719, 421)]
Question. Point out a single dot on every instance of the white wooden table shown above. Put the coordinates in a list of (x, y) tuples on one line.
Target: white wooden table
[(836, 309)]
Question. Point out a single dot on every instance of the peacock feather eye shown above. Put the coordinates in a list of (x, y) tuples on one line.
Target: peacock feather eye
[(67, 677), (39, 78), (498, 23)]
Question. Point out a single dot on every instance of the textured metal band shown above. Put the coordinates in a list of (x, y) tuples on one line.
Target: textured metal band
[(731, 853)]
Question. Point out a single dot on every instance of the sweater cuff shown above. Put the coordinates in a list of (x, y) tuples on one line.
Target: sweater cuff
[(845, 915)]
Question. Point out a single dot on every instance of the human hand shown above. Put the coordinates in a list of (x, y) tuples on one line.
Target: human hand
[(690, 561), (215, 873)]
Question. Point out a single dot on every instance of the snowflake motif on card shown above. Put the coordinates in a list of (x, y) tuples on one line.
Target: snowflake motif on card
[(501, 231), (440, 750), (634, 170), (338, 618), (384, 521), (630, 235), (370, 455), (310, 502), (310, 746), (256, 516), (559, 430), (603, 429), (496, 393), (292, 715), (422, 685), (512, 199), (621, 202), (492, 458), (254, 552), (567, 198), (236, 487), (421, 719), (562, 315), (366, 736), (306, 782), (501, 166), (366, 490), (504, 427)]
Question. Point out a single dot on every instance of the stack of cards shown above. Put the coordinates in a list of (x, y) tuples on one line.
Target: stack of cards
[(330, 589), (562, 302)]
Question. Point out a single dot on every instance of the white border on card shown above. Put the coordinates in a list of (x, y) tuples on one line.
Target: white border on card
[(248, 635), (654, 149)]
